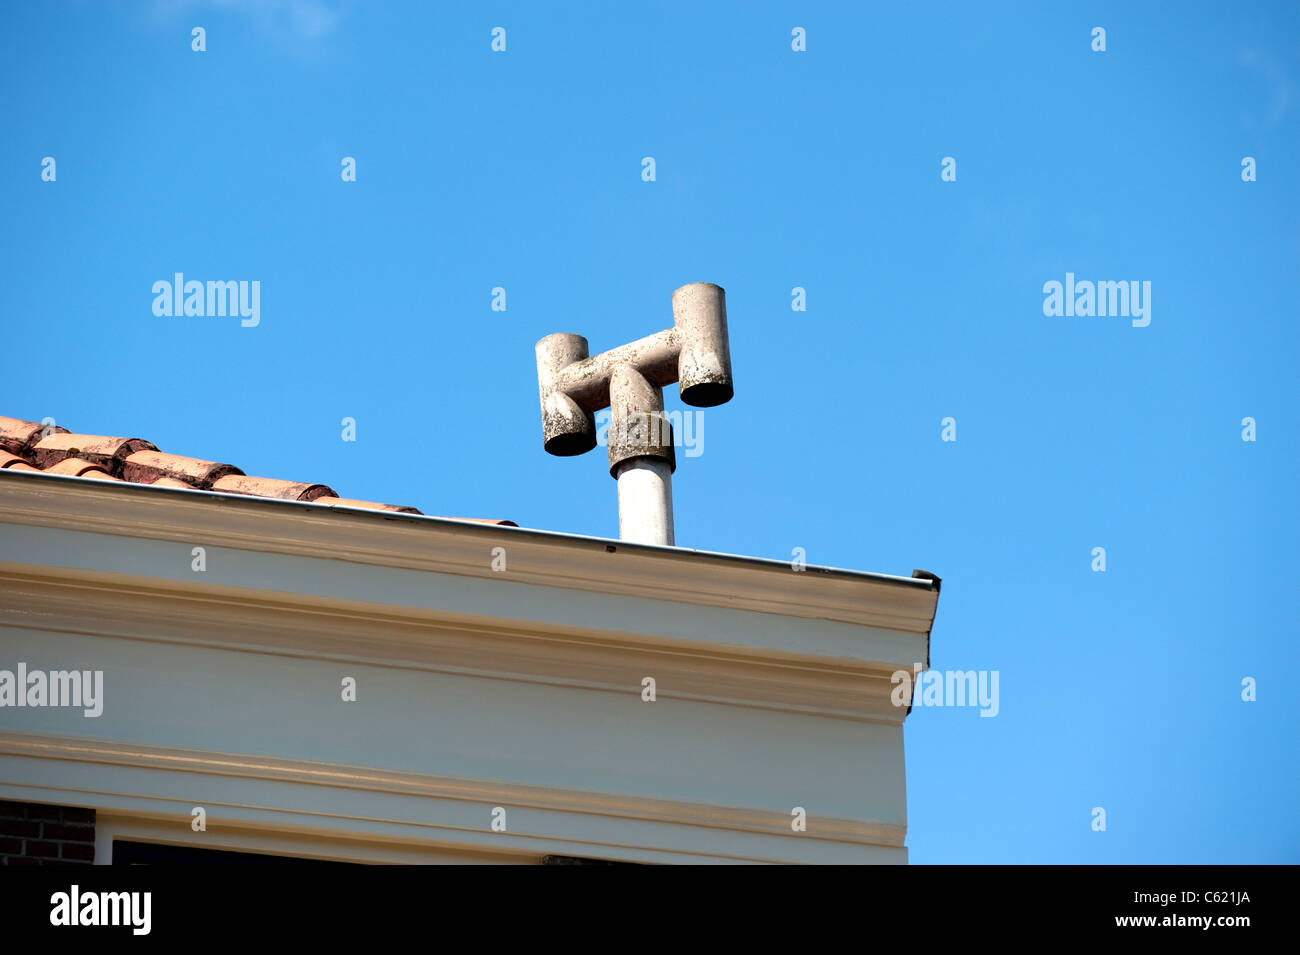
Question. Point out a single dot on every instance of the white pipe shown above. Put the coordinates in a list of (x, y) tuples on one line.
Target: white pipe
[(645, 501)]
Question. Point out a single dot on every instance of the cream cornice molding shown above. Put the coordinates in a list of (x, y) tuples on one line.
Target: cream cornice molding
[(456, 547), (490, 792), (122, 607)]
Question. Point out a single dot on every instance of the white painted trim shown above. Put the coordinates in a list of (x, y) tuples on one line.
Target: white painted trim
[(429, 786), (298, 625), (160, 830), (248, 793), (441, 546)]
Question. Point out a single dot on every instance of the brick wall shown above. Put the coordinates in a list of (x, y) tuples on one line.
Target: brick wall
[(36, 834)]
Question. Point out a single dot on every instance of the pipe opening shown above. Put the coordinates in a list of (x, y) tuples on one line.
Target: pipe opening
[(569, 444), (708, 394)]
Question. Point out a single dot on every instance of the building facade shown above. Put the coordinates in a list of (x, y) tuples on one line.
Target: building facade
[(337, 683)]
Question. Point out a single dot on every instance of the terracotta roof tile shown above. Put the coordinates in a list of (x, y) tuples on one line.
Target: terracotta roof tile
[(147, 467), (99, 475), (105, 452), (29, 446), (17, 436), (347, 502), (75, 467), (482, 520), (271, 487), (8, 460)]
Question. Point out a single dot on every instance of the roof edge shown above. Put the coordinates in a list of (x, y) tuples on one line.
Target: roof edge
[(587, 563)]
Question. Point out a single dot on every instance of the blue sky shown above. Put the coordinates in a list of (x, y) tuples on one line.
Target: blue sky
[(774, 169)]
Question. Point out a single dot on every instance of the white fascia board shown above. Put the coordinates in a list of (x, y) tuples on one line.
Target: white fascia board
[(428, 543)]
